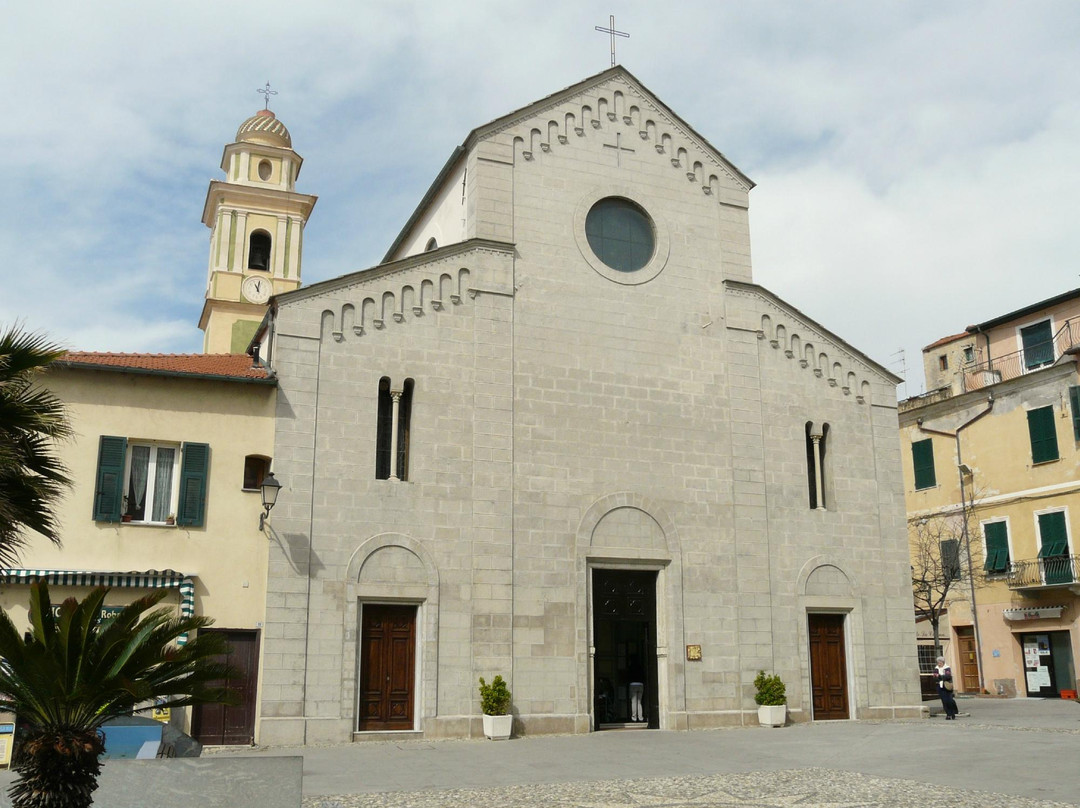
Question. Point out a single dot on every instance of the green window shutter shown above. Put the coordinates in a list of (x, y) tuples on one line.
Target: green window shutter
[(997, 547), (1074, 400), (109, 487), (194, 476), (1043, 435), (950, 558), (1053, 539), (922, 458), (1038, 343)]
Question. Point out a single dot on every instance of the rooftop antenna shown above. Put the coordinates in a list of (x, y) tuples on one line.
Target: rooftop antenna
[(898, 361), (611, 30)]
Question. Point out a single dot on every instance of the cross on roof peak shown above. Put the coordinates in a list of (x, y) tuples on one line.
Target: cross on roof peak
[(611, 30)]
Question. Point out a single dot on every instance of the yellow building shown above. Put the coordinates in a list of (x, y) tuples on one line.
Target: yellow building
[(167, 459), (170, 450), (991, 457)]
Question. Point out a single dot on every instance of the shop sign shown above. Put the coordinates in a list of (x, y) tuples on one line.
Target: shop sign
[(105, 612), (1042, 613)]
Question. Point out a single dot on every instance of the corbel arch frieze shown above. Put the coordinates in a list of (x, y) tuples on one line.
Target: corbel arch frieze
[(374, 309), (615, 105), (797, 340)]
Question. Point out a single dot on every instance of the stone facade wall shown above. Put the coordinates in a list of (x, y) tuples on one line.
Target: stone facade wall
[(568, 417)]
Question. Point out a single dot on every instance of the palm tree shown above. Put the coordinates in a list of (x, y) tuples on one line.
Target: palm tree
[(74, 671), (32, 477)]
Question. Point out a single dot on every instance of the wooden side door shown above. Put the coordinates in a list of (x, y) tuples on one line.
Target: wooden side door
[(224, 725), (968, 660), (828, 666), (387, 668)]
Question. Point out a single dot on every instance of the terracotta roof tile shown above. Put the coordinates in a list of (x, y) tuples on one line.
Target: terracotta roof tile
[(225, 366), (945, 341)]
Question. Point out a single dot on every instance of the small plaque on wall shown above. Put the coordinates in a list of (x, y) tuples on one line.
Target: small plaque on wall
[(693, 653)]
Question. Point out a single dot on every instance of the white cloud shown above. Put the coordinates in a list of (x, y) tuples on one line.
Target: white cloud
[(914, 159)]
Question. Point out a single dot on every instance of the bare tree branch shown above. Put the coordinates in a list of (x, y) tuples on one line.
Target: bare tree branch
[(940, 544)]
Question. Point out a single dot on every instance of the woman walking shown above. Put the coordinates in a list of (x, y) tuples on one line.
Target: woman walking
[(943, 677)]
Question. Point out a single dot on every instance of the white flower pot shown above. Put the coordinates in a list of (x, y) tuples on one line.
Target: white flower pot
[(772, 715), (498, 727)]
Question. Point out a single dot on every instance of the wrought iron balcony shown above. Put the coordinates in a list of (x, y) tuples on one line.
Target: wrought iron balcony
[(1040, 573), (981, 374)]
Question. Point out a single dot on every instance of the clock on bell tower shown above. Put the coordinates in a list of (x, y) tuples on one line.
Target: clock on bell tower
[(256, 220)]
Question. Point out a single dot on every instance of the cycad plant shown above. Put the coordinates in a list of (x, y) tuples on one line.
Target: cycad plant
[(76, 670)]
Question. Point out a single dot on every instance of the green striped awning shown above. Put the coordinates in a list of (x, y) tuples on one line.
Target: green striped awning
[(150, 579)]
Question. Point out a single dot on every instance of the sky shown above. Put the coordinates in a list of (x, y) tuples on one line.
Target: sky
[(915, 162)]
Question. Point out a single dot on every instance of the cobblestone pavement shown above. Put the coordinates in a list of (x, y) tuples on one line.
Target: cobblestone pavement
[(1003, 752), (812, 788)]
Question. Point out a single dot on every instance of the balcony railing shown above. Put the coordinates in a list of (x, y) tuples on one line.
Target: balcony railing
[(978, 375), (1040, 572)]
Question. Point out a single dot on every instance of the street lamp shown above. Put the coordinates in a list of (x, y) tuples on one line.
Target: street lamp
[(270, 488)]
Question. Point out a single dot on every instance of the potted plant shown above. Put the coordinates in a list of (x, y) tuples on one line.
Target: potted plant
[(170, 519), (771, 697), (495, 702)]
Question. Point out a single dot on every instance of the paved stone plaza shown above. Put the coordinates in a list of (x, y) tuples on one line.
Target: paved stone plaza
[(813, 788), (1000, 753), (1018, 752)]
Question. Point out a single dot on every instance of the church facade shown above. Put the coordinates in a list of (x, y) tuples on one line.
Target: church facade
[(560, 435)]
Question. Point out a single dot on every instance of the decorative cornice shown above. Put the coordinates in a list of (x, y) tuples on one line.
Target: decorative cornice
[(442, 254), (681, 137), (825, 354)]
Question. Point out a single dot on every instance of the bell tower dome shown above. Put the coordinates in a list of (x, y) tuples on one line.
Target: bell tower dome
[(256, 220)]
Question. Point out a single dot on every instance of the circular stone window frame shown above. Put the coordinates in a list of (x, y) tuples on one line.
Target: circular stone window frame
[(661, 236)]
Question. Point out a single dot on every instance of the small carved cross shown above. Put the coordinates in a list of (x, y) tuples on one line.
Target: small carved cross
[(267, 93), (611, 30), (619, 148)]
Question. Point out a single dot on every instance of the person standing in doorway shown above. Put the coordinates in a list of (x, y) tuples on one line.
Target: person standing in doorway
[(637, 688), (943, 677)]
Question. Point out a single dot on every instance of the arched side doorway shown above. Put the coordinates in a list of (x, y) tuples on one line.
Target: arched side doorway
[(391, 632), (828, 595)]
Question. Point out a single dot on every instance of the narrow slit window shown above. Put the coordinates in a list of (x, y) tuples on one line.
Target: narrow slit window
[(823, 448), (382, 439), (404, 418), (816, 447), (392, 445)]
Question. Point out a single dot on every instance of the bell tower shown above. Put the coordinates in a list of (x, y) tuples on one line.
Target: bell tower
[(256, 220)]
